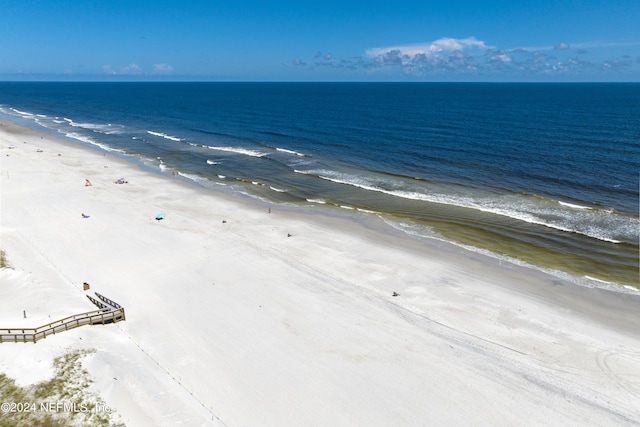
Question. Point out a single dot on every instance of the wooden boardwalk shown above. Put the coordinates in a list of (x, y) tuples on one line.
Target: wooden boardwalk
[(109, 312)]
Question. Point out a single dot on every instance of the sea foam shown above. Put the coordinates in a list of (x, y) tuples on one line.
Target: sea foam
[(164, 135), (600, 225), (237, 150)]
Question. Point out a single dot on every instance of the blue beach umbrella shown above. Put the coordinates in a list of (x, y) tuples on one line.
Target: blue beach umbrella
[(160, 216)]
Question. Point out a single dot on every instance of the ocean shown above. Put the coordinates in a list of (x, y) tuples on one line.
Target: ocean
[(543, 175)]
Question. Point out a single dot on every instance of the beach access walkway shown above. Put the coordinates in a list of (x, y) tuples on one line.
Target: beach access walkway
[(109, 312)]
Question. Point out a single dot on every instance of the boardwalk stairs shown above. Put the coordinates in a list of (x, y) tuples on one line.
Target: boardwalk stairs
[(108, 312)]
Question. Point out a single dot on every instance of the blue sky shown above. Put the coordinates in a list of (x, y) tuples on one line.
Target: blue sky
[(452, 40)]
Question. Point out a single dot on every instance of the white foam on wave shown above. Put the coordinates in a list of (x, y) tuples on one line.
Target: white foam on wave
[(571, 205), (80, 138), (211, 162), (110, 129), (164, 135), (592, 231), (412, 229), (420, 231), (367, 211), (277, 190), (284, 150), (598, 280), (86, 139), (594, 282), (22, 113), (237, 150), (526, 212), (366, 185), (319, 201), (107, 129), (192, 177)]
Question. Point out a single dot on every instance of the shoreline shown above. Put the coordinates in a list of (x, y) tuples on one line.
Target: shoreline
[(373, 222), (281, 330), (385, 223)]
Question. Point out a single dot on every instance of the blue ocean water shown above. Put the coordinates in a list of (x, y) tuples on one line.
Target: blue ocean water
[(542, 174)]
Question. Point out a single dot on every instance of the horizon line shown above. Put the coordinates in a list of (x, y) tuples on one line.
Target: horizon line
[(323, 81)]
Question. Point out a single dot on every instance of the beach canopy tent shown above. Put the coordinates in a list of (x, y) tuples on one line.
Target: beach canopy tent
[(160, 216)]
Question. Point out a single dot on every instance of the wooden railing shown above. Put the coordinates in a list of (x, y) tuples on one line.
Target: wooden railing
[(98, 303), (103, 316), (113, 304)]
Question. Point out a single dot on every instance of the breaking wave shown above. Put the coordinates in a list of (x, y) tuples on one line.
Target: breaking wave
[(296, 153), (236, 150), (164, 135), (598, 224)]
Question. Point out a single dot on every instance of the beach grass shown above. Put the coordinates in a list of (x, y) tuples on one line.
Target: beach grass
[(4, 262), (63, 400)]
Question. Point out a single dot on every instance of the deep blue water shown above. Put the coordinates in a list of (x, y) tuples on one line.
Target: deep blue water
[(547, 174)]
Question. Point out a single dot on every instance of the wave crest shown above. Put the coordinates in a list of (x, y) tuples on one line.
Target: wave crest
[(164, 135), (236, 150), (598, 224)]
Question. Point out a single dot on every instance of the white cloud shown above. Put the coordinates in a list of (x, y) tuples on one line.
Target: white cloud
[(134, 69), (472, 57), (500, 56), (445, 54), (126, 70), (427, 49), (298, 62), (459, 44), (131, 69), (617, 63), (539, 57), (162, 69)]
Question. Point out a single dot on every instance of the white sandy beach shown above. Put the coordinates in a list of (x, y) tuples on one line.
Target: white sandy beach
[(238, 324)]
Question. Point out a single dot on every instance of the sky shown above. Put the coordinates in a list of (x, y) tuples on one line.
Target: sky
[(277, 40)]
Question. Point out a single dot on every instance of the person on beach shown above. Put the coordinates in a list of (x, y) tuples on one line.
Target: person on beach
[(87, 183), (85, 216)]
